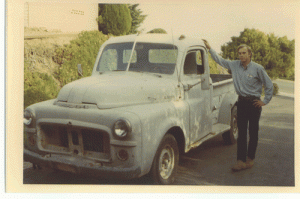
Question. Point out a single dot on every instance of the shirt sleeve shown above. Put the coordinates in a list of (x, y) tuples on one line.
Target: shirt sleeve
[(221, 61), (268, 85)]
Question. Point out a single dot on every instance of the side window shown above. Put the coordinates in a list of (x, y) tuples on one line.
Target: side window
[(194, 63), (200, 62), (190, 65), (199, 57)]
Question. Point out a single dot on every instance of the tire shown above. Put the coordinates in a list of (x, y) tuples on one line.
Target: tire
[(165, 163), (230, 137)]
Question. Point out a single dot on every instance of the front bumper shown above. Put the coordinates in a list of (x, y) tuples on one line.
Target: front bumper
[(81, 166)]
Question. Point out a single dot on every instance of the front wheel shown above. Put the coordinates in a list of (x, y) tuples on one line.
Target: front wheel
[(165, 164), (230, 137)]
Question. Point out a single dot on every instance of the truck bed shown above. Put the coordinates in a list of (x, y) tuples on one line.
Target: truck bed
[(222, 84), (220, 77)]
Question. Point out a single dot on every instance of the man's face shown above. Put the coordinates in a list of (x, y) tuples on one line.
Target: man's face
[(244, 55)]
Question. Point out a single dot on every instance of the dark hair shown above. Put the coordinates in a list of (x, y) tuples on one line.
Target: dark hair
[(248, 48)]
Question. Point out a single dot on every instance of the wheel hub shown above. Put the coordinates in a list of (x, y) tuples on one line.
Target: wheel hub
[(166, 162)]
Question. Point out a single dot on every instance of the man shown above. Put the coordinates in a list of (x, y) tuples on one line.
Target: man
[(248, 78)]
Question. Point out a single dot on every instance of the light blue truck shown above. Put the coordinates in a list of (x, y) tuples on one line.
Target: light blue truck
[(149, 99)]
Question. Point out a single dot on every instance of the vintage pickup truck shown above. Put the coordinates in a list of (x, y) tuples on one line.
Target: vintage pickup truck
[(150, 98)]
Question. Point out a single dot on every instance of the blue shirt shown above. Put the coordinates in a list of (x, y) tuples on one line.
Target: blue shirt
[(247, 81)]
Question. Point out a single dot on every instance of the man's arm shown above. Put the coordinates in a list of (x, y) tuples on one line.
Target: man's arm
[(267, 82), (268, 88), (223, 62)]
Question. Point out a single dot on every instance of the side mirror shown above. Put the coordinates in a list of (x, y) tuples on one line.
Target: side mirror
[(205, 82), (79, 70)]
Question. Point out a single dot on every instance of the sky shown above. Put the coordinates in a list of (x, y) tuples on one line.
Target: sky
[(219, 20), (215, 20)]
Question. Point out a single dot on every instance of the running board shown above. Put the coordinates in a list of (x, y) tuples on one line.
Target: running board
[(220, 128), (216, 129)]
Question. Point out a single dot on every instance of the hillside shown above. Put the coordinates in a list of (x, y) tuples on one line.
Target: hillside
[(39, 53)]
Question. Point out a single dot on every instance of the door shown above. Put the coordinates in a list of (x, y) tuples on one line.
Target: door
[(195, 66)]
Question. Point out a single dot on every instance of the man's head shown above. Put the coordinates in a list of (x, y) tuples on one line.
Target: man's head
[(245, 53)]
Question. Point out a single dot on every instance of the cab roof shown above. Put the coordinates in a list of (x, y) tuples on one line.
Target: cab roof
[(180, 41)]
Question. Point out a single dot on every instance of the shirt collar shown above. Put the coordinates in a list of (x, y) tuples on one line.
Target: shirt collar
[(246, 66)]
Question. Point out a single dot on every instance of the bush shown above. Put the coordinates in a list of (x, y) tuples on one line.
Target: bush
[(38, 87), (82, 50), (275, 89), (158, 30)]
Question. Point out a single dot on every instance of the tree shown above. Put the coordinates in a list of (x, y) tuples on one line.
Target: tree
[(158, 30), (137, 18), (114, 19), (275, 54)]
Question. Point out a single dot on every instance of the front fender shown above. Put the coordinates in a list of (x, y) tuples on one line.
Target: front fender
[(156, 120), (165, 127), (228, 102)]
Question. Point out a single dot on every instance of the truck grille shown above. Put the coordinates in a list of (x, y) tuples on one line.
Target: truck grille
[(85, 142), (92, 141)]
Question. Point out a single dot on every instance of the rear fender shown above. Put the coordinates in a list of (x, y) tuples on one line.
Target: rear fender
[(228, 102)]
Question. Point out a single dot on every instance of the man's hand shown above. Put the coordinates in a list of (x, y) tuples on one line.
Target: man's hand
[(206, 44), (258, 103)]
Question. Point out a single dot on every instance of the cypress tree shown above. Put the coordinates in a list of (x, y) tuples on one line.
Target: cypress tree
[(114, 19)]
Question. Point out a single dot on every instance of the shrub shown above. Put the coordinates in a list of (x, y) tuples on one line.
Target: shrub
[(158, 30), (82, 50), (275, 89), (38, 87)]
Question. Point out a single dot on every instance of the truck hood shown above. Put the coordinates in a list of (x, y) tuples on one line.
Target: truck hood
[(115, 89)]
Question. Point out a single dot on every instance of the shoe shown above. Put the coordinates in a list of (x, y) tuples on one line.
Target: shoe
[(249, 163), (239, 166)]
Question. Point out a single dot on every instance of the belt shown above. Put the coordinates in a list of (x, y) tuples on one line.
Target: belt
[(248, 98)]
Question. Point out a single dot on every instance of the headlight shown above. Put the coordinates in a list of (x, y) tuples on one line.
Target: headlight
[(122, 128), (28, 117)]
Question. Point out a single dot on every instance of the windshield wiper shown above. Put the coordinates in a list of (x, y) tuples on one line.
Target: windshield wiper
[(134, 43)]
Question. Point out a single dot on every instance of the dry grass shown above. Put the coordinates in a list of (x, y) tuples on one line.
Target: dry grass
[(39, 52)]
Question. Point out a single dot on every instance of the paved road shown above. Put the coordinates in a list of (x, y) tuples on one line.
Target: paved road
[(286, 87), (210, 163), (274, 164)]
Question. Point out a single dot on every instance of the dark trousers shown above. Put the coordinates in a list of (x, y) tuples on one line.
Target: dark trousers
[(247, 113)]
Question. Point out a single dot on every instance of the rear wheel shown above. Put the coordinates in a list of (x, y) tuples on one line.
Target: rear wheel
[(165, 164), (230, 137)]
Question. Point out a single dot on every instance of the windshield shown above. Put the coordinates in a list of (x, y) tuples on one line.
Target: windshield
[(146, 57)]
